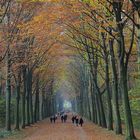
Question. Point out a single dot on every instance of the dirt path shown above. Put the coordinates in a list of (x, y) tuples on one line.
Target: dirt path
[(44, 130), (68, 131)]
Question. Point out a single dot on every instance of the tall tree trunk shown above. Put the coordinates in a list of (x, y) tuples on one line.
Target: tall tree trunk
[(127, 111), (97, 109), (117, 7), (43, 106), (107, 82), (109, 110), (8, 91), (115, 102), (36, 111), (17, 101), (23, 97), (91, 99), (31, 109), (99, 102), (28, 98), (86, 81)]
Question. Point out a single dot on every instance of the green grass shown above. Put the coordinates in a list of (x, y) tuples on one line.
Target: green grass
[(13, 133), (5, 133)]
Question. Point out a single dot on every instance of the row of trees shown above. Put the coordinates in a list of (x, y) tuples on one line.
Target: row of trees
[(106, 36), (28, 54)]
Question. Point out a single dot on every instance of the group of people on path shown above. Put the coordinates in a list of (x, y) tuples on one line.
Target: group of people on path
[(64, 118), (75, 119), (55, 117), (78, 121)]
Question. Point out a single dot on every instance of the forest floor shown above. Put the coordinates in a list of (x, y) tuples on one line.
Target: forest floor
[(44, 130)]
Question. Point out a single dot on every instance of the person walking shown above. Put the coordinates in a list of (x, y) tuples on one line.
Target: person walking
[(81, 121), (77, 120), (65, 117), (62, 118), (73, 119)]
